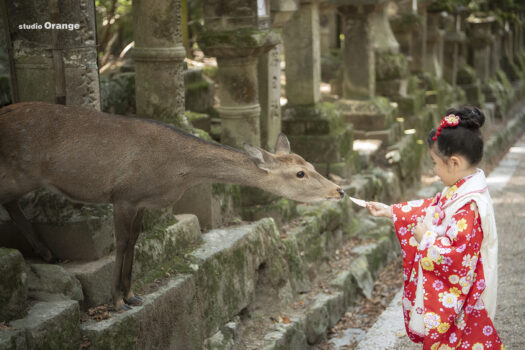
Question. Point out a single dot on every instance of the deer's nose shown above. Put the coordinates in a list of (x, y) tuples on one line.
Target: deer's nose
[(341, 192)]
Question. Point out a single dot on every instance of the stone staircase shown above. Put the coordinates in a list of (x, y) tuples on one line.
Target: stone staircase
[(211, 287)]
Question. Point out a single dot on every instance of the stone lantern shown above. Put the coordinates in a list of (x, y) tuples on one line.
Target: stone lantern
[(237, 33)]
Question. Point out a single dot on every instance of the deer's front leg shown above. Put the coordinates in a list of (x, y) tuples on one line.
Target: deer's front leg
[(127, 268), (123, 215)]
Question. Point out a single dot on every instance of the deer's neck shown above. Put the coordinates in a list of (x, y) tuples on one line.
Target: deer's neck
[(214, 163)]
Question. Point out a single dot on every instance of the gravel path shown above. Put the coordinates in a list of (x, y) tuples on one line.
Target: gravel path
[(507, 188)]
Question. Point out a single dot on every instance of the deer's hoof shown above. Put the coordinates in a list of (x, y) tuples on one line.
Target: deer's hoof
[(123, 308), (48, 256), (134, 300)]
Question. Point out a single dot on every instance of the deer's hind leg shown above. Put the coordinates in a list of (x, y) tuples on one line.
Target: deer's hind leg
[(28, 231)]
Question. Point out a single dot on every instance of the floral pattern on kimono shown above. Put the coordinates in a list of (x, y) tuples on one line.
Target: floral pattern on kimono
[(453, 280)]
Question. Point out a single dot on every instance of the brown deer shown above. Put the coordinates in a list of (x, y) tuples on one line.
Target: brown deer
[(135, 164)]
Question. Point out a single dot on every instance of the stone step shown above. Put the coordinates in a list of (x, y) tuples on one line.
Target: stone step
[(48, 325), (309, 326), (155, 249)]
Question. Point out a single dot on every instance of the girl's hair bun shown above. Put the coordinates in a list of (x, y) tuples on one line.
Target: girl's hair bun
[(470, 117)]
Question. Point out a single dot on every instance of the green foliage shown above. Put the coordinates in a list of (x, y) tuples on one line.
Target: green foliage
[(114, 18), (448, 5)]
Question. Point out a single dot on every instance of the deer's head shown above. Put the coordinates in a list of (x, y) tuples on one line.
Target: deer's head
[(289, 175)]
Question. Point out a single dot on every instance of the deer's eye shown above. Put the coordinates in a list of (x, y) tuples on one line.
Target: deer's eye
[(300, 174)]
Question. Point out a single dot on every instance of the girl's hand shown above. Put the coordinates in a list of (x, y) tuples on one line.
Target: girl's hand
[(379, 209), (419, 231)]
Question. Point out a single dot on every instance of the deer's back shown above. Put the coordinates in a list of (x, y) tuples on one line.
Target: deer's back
[(88, 155)]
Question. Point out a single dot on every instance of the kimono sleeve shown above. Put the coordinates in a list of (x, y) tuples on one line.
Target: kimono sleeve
[(405, 217), (454, 256)]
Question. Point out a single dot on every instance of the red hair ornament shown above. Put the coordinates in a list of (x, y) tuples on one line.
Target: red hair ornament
[(449, 121)]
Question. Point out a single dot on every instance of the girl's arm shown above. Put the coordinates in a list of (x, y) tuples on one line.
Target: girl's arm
[(405, 217)]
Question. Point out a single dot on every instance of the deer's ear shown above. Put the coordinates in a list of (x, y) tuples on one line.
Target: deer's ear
[(262, 158), (282, 145)]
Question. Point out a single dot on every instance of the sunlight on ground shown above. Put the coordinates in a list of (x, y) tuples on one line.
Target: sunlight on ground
[(519, 150)]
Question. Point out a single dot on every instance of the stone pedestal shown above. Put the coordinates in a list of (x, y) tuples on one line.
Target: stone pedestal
[(434, 54), (55, 65), (158, 56), (319, 134)]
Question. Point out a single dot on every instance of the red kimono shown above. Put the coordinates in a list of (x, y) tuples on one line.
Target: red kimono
[(454, 314)]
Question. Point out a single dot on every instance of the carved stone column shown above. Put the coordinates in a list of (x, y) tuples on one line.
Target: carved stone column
[(54, 65), (158, 56)]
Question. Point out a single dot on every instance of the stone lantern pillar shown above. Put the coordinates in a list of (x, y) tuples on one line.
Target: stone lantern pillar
[(316, 130), (237, 34), (454, 37), (269, 76), (367, 35), (371, 58), (480, 42), (54, 65), (420, 38), (496, 49), (158, 56), (405, 23), (358, 49), (434, 53), (303, 56)]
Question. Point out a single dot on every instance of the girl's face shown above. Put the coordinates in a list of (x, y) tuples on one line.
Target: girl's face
[(444, 168)]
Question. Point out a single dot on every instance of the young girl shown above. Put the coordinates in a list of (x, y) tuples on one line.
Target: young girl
[(449, 244)]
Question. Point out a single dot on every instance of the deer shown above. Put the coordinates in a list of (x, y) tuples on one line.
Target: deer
[(135, 164)]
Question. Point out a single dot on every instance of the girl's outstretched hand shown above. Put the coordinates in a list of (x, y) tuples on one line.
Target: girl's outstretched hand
[(379, 209)]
